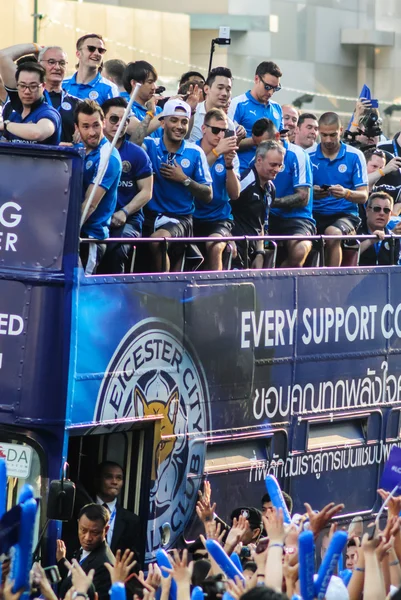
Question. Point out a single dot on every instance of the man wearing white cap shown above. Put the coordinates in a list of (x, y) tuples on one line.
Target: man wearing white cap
[(181, 173)]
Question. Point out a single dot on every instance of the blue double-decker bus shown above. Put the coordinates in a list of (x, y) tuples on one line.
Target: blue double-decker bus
[(180, 377)]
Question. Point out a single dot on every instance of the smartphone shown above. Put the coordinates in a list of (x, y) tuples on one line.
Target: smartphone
[(325, 187), (374, 103), (229, 133), (262, 545), (52, 574)]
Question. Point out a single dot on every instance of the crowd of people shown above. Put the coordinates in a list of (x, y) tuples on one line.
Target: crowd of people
[(263, 546), (204, 164)]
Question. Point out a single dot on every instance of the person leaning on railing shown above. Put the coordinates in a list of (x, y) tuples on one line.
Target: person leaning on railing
[(379, 251)]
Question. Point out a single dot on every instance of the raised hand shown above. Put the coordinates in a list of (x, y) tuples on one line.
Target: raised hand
[(318, 521), (122, 567)]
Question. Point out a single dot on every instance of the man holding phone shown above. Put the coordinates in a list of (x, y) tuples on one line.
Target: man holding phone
[(217, 90), (340, 183)]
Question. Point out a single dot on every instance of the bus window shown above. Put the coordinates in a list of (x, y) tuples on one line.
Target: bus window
[(337, 433), (393, 426), (23, 467)]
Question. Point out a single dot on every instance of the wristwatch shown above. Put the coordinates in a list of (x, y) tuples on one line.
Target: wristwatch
[(5, 123), (187, 181)]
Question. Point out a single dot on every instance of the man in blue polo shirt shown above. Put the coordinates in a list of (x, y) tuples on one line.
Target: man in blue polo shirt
[(340, 183), (181, 175), (36, 122), (54, 61), (215, 219), (87, 82), (134, 189), (255, 104), (89, 122)]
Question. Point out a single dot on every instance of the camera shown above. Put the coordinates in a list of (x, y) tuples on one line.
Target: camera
[(371, 124)]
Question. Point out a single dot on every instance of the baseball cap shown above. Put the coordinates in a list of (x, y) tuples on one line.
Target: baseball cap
[(253, 515), (175, 107)]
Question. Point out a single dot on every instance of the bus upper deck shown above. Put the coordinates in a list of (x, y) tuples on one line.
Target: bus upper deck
[(227, 375)]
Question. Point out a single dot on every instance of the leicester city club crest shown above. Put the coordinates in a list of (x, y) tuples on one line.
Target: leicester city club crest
[(155, 371)]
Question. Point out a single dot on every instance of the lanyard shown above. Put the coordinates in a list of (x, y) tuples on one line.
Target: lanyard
[(111, 525), (395, 148), (49, 100)]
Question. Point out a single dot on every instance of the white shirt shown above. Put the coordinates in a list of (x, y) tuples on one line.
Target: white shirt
[(196, 132), (112, 508), (84, 554)]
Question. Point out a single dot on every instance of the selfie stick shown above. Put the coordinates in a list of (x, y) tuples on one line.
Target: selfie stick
[(306, 549)]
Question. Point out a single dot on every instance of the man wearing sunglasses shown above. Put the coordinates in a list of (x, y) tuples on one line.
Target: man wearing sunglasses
[(134, 189), (379, 251), (215, 219), (256, 104), (87, 82), (54, 61)]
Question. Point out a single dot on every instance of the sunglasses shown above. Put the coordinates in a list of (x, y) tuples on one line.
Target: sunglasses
[(379, 153), (216, 130), (268, 87), (378, 209), (93, 49), (114, 119)]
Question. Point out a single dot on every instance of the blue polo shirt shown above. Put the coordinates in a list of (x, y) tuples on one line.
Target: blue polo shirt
[(140, 111), (99, 89), (39, 110), (125, 95), (97, 226), (219, 209), (136, 165), (347, 169), (297, 173), (245, 110), (170, 197)]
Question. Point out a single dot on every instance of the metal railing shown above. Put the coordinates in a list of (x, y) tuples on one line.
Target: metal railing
[(348, 241)]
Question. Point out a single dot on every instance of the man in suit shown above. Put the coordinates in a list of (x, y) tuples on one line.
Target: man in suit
[(124, 527), (93, 525)]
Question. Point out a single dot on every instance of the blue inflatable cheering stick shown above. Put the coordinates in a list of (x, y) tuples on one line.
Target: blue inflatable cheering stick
[(117, 591), (22, 560), (237, 561), (306, 549), (163, 560), (276, 497), (3, 492), (329, 563), (223, 560), (197, 593)]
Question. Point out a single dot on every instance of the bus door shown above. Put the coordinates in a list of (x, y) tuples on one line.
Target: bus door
[(132, 446), (236, 469)]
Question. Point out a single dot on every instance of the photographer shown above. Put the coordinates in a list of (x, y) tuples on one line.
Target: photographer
[(380, 164), (365, 131), (393, 150)]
